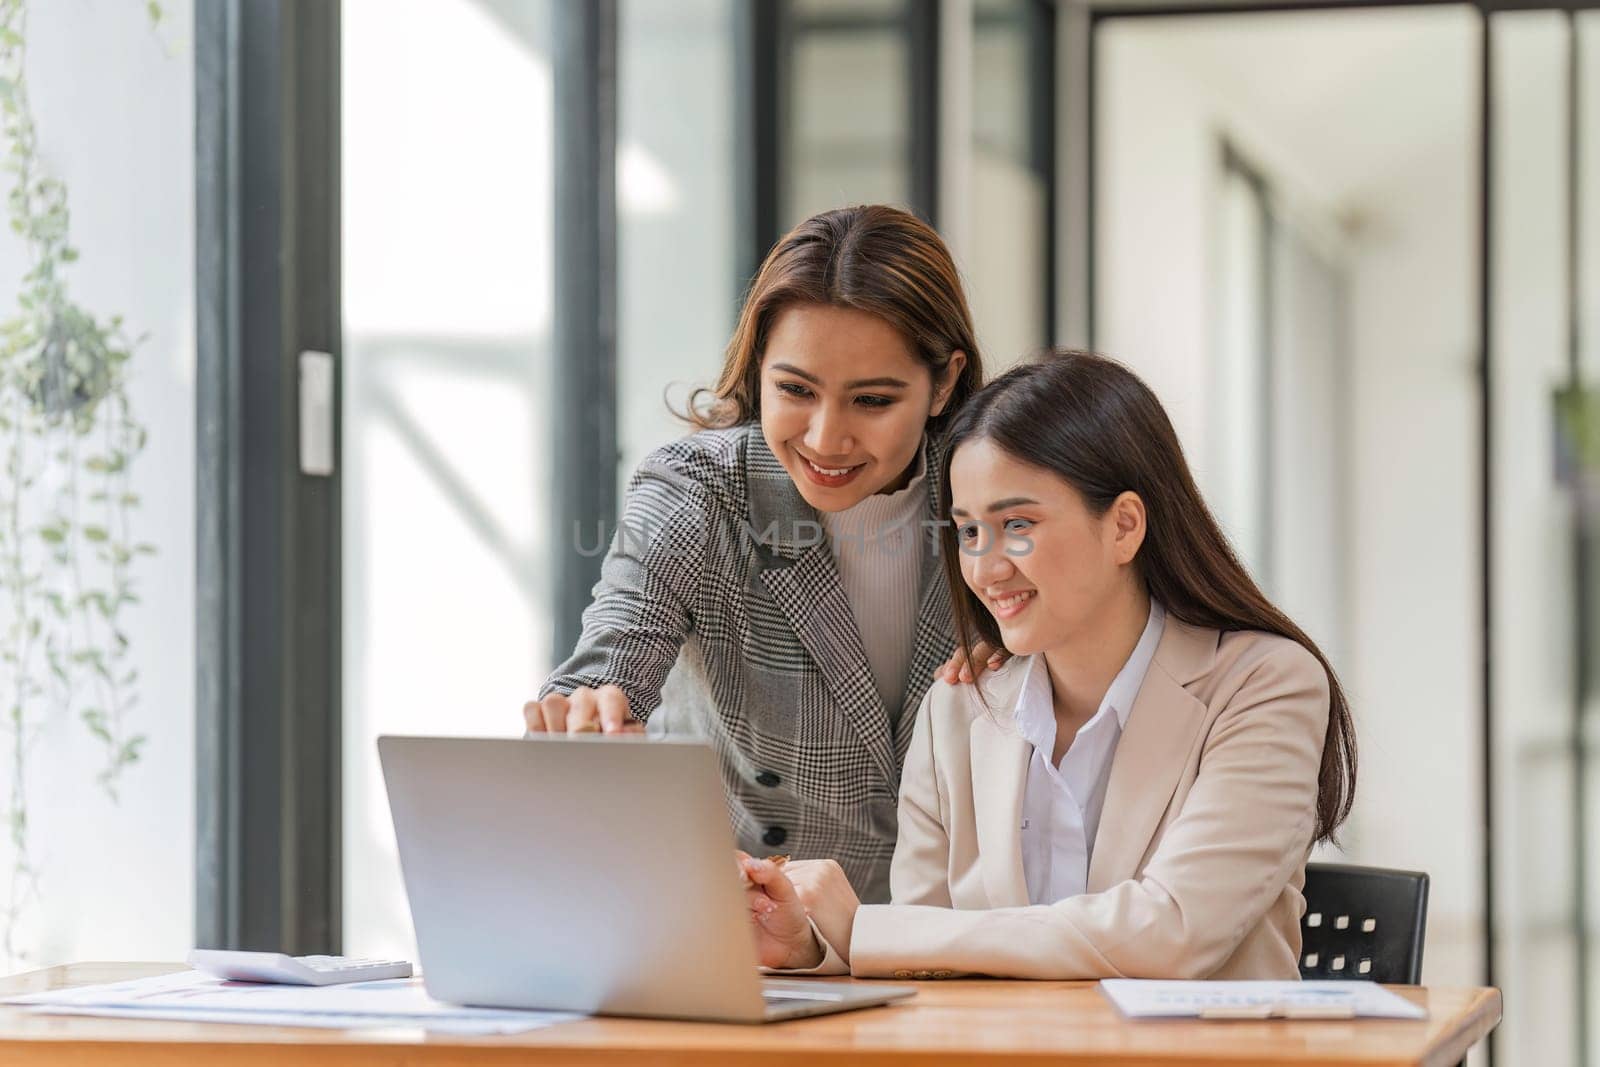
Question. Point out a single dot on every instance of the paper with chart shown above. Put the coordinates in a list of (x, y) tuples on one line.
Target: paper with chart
[(196, 997), (1141, 999)]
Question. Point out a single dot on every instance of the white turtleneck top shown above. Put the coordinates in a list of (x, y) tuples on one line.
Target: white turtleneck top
[(877, 546)]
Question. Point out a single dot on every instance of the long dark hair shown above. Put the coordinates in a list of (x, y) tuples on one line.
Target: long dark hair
[(873, 258), (1093, 423)]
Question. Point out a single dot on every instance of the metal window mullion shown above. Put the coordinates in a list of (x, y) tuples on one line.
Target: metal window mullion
[(583, 411), (267, 616), (762, 121), (1486, 543), (1582, 533), (1042, 143), (922, 37), (216, 474)]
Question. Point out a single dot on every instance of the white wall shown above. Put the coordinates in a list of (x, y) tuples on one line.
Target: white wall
[(1004, 276), (114, 104), (1153, 201), (1311, 553), (1416, 601), (1365, 115)]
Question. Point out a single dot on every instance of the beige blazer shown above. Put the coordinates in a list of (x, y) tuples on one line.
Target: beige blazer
[(1199, 860)]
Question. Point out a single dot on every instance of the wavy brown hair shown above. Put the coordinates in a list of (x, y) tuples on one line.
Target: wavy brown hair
[(873, 258), (1093, 423)]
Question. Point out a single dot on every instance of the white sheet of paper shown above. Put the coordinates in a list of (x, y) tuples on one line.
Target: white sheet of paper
[(191, 995), (528, 1020), (1141, 998)]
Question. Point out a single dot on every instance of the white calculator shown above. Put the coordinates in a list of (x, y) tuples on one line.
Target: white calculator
[(293, 970)]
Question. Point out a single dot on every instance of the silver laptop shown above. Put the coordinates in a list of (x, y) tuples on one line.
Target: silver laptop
[(584, 874)]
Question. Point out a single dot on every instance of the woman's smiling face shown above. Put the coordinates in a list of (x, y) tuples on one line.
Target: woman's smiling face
[(1042, 564), (844, 402)]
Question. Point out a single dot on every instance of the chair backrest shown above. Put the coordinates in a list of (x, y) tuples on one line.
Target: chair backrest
[(1363, 923)]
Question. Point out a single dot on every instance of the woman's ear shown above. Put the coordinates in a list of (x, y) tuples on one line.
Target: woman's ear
[(1128, 525), (945, 387)]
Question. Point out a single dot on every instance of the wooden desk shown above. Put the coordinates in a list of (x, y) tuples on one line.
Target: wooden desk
[(951, 1022)]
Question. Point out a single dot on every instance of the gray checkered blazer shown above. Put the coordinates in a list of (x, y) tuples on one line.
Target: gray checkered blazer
[(719, 603)]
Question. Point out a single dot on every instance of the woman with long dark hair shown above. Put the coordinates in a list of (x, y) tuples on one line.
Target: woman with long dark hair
[(779, 562), (1137, 791)]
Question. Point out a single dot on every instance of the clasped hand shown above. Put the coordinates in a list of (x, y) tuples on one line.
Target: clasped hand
[(784, 901)]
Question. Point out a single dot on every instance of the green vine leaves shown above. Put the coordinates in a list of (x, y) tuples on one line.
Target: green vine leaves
[(68, 438)]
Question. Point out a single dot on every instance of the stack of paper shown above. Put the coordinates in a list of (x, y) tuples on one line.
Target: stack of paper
[(194, 997), (1141, 999)]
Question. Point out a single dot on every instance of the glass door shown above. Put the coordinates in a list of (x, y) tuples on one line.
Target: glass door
[(447, 172)]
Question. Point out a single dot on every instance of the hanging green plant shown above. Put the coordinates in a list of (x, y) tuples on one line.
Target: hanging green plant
[(68, 437)]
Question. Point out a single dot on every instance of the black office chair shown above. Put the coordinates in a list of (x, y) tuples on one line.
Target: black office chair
[(1363, 923)]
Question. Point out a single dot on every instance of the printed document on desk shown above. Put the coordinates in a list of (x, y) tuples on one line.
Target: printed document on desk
[(1143, 999), (192, 996)]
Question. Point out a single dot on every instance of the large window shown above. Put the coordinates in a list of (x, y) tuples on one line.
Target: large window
[(1009, 277), (850, 109), (458, 125), (96, 632), (447, 289), (1545, 345), (677, 143)]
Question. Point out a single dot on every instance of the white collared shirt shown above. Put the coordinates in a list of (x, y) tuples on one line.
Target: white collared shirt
[(1061, 803)]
